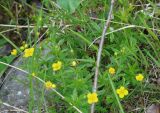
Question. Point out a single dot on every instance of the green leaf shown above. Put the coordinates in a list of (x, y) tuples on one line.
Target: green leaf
[(7, 11), (69, 5), (74, 95), (9, 41), (2, 42), (6, 59)]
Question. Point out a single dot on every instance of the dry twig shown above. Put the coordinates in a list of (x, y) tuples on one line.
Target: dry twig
[(16, 108), (100, 52)]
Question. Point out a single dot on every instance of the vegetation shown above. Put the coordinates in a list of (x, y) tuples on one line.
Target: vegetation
[(59, 41)]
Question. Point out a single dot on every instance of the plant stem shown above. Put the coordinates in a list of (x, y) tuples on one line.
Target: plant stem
[(100, 52), (114, 91)]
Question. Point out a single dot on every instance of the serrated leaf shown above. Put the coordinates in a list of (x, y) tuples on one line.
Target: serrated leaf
[(69, 5), (74, 95), (2, 42)]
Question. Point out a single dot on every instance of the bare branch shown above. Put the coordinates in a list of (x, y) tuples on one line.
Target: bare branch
[(16, 108), (100, 52)]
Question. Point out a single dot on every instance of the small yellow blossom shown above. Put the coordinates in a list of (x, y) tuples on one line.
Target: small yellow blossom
[(33, 74), (49, 85), (23, 42), (92, 98), (123, 50), (112, 71), (25, 45), (57, 66), (14, 52), (22, 48), (37, 33), (28, 52), (74, 63), (122, 91), (139, 77)]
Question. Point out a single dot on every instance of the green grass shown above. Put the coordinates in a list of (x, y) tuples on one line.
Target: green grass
[(70, 33)]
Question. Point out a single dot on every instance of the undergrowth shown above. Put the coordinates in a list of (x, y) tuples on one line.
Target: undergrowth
[(66, 35)]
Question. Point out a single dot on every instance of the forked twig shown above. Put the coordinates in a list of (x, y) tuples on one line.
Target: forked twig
[(100, 52)]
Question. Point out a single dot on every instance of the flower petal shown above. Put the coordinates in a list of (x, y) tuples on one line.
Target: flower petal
[(88, 95), (118, 91), (94, 94), (90, 101), (96, 100), (122, 88), (59, 63), (125, 92), (121, 95)]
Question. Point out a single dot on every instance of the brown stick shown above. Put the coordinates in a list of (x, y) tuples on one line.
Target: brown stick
[(100, 52)]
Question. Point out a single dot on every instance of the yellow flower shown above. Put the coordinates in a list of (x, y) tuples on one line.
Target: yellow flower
[(49, 85), (28, 52), (112, 71), (57, 66), (37, 33), (33, 74), (123, 50), (139, 77), (122, 91), (22, 48), (14, 52), (92, 98), (23, 42), (74, 63), (25, 45)]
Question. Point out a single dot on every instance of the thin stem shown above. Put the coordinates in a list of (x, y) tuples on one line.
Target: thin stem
[(8, 30), (130, 26), (117, 30), (16, 108), (41, 37), (21, 26), (9, 41), (100, 52), (115, 94)]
